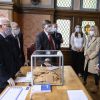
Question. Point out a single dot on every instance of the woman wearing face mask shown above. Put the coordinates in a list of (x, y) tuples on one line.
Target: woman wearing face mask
[(77, 47), (92, 56)]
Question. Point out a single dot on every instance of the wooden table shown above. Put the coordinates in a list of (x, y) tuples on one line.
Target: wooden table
[(71, 82)]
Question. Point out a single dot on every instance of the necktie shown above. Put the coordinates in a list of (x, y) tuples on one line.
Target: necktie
[(52, 44)]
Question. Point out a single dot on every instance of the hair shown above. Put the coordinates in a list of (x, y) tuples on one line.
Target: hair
[(96, 31), (45, 22), (76, 34)]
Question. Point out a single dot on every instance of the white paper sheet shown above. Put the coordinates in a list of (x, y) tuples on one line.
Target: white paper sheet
[(15, 93), (76, 95), (22, 79), (52, 68)]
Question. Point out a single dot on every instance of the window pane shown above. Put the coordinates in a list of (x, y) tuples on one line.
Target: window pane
[(64, 29), (64, 3), (90, 4), (84, 23)]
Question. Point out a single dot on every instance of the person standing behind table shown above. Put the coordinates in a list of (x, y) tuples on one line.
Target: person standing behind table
[(6, 60), (44, 40), (16, 43), (91, 56), (77, 47), (56, 36)]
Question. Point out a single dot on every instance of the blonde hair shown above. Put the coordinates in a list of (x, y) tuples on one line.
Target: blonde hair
[(96, 31)]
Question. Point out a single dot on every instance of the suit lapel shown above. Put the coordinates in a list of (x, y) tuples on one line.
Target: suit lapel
[(93, 39)]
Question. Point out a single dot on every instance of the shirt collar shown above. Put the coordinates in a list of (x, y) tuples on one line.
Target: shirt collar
[(46, 33), (2, 34)]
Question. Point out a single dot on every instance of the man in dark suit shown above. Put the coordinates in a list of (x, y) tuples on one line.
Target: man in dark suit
[(56, 36), (16, 43), (6, 61), (44, 40)]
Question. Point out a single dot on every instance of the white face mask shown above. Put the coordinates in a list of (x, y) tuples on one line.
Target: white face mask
[(54, 29), (91, 33), (7, 32), (16, 31), (77, 30)]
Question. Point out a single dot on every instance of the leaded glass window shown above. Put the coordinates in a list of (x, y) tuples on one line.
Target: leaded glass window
[(64, 29), (64, 3), (89, 4), (87, 24)]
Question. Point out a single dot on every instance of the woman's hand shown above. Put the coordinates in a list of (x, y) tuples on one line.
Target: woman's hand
[(87, 57)]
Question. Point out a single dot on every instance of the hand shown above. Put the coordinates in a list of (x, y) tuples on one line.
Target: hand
[(78, 50), (97, 67), (11, 82), (81, 49), (26, 63), (87, 57)]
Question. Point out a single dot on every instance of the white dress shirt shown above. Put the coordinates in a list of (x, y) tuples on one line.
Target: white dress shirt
[(76, 42)]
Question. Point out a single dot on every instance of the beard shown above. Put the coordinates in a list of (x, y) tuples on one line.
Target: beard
[(16, 31)]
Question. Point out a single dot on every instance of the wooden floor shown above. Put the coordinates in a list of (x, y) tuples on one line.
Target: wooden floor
[(90, 83)]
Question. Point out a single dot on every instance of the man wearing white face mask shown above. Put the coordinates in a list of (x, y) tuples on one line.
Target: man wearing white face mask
[(92, 56), (56, 36), (6, 59), (77, 42), (16, 43), (44, 40)]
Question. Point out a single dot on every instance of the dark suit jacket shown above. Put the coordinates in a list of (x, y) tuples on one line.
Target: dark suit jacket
[(42, 42), (22, 56), (57, 37), (6, 62), (17, 52)]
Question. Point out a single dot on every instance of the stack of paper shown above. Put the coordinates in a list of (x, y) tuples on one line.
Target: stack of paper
[(15, 93), (22, 79), (76, 95)]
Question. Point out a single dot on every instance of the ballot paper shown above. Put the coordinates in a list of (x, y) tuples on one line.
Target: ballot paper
[(15, 93), (41, 88), (76, 95), (22, 79), (52, 68)]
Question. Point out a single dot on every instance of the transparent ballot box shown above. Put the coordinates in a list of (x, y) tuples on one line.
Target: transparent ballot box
[(47, 67)]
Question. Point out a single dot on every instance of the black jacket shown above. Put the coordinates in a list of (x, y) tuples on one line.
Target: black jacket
[(17, 52), (6, 62), (42, 42)]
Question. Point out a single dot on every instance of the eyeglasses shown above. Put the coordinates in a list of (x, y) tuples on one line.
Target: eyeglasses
[(7, 25)]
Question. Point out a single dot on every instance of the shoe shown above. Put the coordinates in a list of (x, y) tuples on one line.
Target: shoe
[(94, 89)]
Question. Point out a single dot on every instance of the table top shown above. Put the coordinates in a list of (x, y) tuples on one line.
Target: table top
[(71, 82)]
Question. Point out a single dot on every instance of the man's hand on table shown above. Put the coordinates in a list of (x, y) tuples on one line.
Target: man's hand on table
[(11, 82)]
